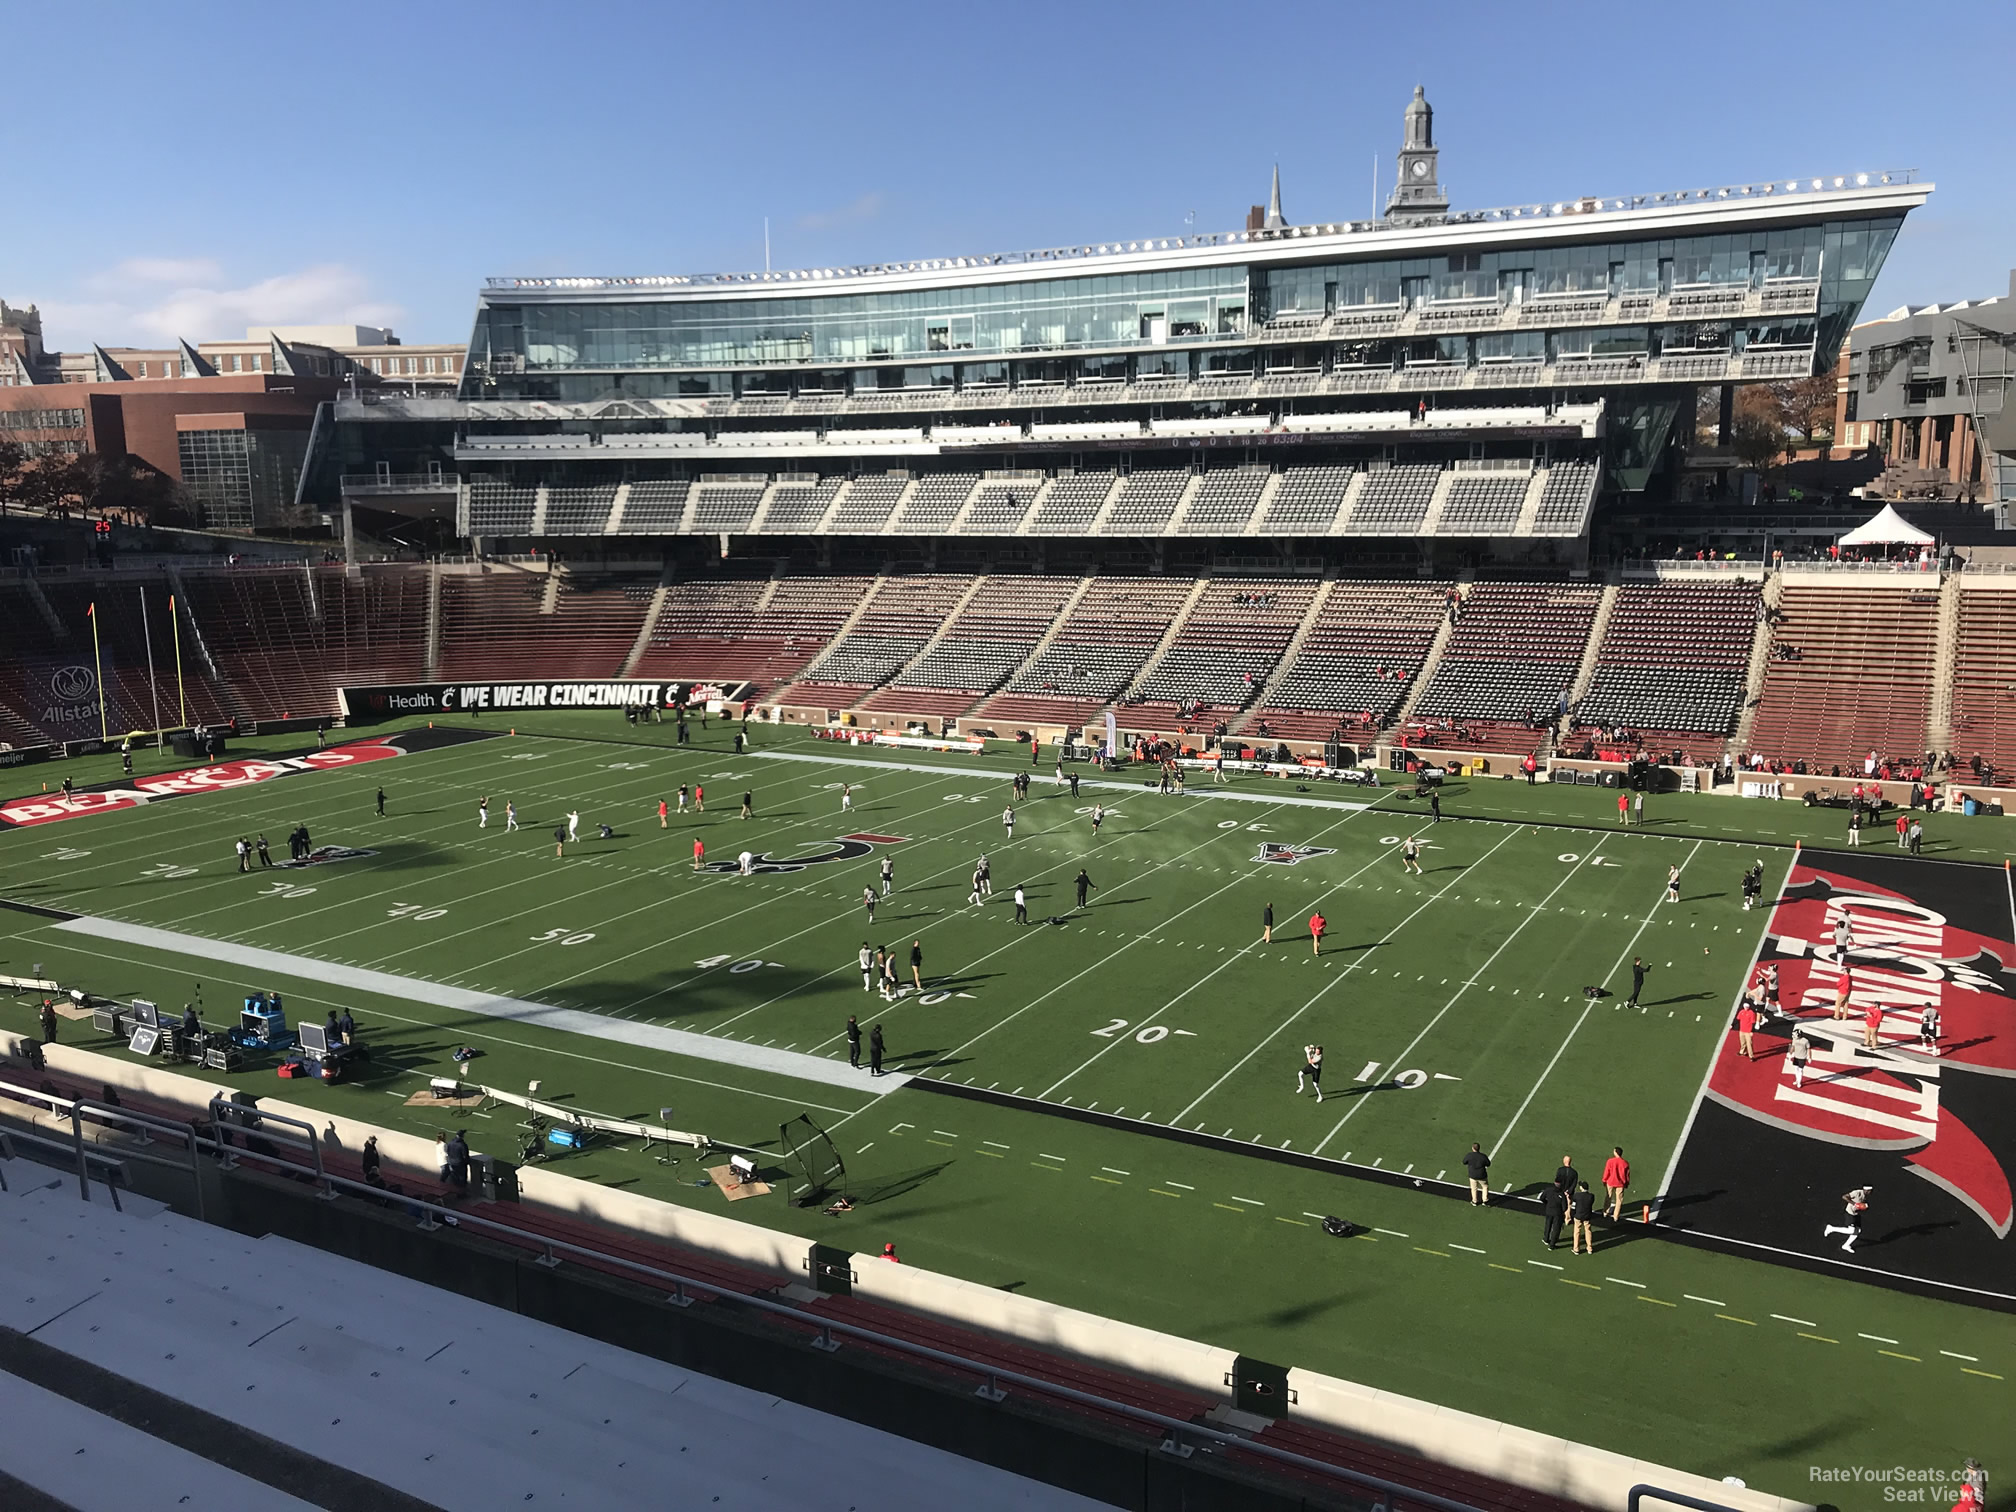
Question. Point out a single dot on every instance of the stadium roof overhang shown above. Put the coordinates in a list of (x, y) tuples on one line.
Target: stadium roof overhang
[(1700, 212)]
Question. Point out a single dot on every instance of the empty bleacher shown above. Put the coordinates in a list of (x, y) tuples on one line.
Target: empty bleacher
[(1225, 501), (1984, 682), (1000, 507), (865, 506), (1565, 499), (902, 614), (1074, 503), (1113, 629), (1483, 503), (578, 511), (262, 633), (1395, 500), (498, 509), (1225, 649), (796, 508), (654, 507), (1672, 665), (936, 503), (1358, 662), (1146, 501), (490, 625), (1308, 499), (728, 507), (1513, 654), (1851, 672), (987, 641)]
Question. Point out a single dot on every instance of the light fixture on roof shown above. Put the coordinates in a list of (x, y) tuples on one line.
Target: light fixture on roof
[(1817, 184), (1862, 180), (1839, 182)]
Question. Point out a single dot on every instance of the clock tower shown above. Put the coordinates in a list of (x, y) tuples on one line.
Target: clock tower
[(1416, 194)]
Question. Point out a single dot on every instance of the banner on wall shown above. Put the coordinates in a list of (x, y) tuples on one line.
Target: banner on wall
[(392, 700)]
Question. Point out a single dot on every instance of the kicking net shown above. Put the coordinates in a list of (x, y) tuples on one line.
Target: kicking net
[(820, 1171)]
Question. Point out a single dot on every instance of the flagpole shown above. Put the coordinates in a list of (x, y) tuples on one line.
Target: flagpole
[(98, 660), (181, 703), (153, 688)]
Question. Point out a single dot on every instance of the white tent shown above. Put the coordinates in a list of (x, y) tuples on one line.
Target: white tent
[(1887, 529)]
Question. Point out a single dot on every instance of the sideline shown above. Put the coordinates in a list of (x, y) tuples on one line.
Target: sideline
[(1036, 780), (792, 1063)]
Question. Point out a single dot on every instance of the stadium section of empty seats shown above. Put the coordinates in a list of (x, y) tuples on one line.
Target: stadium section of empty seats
[(1512, 657), (1225, 501), (1146, 501), (498, 509), (1672, 666), (1225, 649), (1984, 682), (1308, 500), (1483, 503), (865, 505), (1074, 503), (1358, 662), (1565, 499), (1113, 629), (900, 618), (725, 507), (654, 507), (1851, 672), (936, 503), (1394, 500)]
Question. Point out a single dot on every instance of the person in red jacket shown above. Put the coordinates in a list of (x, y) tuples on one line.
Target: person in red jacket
[(699, 854), (889, 1253), (1317, 924), (1616, 1177)]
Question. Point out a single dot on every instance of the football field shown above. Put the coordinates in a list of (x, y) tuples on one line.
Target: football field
[(1099, 1103)]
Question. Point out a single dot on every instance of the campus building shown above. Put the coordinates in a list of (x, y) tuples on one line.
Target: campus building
[(1928, 386), (1438, 374)]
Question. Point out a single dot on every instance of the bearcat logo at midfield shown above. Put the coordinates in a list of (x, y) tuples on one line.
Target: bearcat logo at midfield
[(846, 848), (1291, 855)]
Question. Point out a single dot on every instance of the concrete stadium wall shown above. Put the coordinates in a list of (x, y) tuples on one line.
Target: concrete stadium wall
[(1594, 1477)]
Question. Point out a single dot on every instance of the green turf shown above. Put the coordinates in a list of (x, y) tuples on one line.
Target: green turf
[(1465, 983)]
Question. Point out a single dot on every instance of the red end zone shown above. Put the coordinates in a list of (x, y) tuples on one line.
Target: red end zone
[(46, 808)]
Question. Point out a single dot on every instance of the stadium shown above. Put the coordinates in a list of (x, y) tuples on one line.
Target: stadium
[(1161, 671)]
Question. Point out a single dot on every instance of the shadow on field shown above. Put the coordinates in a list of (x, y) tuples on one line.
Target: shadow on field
[(900, 1185)]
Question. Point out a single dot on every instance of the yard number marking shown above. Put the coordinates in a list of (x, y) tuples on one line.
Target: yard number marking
[(416, 911), (562, 936), (285, 890), (1153, 1034)]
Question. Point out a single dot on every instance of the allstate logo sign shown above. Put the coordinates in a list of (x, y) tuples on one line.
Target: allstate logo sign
[(73, 683)]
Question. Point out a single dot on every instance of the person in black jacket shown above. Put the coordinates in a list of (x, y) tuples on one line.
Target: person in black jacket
[(458, 1162), (1553, 1207), (853, 1041), (875, 1051), (1478, 1164)]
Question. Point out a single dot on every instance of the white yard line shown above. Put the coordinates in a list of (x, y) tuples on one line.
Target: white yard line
[(1427, 1028), (1715, 1045), (1643, 924), (1282, 1027)]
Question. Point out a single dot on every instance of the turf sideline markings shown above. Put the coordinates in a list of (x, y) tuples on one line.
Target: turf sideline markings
[(1715, 1051), (1510, 834), (813, 1068), (1426, 1029), (1135, 788), (1588, 1007)]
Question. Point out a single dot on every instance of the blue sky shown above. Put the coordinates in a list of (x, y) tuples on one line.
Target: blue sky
[(190, 169)]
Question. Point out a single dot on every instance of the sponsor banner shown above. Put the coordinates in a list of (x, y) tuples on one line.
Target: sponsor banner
[(392, 700), (15, 756), (1928, 1121), (45, 808), (59, 694)]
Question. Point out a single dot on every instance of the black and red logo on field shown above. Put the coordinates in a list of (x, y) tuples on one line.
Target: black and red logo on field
[(111, 797), (846, 848), (1907, 1084)]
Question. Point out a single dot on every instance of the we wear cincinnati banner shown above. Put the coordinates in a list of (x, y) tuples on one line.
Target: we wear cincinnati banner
[(385, 702), (1929, 1124)]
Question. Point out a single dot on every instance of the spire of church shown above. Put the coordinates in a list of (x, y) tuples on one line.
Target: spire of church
[(1274, 221)]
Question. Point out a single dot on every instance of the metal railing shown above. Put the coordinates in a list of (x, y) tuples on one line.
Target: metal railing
[(1181, 1437), (1776, 189)]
